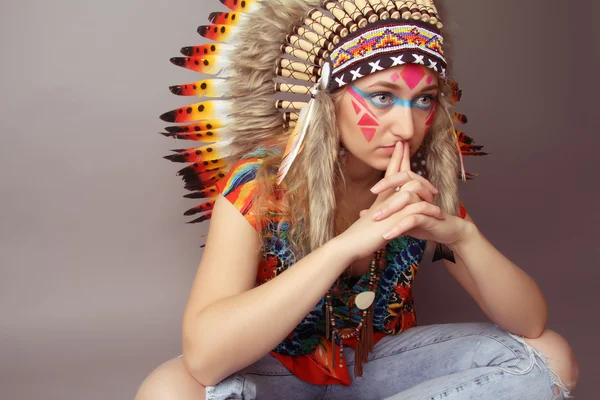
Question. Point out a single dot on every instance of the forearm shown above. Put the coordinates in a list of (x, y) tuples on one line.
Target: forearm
[(512, 298), (234, 332)]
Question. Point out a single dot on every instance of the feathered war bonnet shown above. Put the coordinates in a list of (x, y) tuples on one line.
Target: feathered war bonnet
[(263, 49)]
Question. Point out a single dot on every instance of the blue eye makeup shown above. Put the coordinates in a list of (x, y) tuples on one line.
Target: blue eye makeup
[(387, 99)]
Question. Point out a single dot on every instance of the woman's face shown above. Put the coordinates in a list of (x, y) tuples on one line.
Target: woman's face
[(378, 110)]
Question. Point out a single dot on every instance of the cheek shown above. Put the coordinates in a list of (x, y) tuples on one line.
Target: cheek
[(367, 121), (429, 120), (368, 126)]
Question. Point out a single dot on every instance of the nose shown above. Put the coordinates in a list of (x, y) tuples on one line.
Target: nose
[(401, 123)]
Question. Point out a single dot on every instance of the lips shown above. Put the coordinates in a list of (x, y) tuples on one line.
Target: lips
[(386, 149)]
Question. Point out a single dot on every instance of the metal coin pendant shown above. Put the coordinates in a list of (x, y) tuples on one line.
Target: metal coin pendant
[(364, 300)]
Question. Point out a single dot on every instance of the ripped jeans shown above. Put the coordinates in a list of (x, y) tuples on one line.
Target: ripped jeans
[(443, 361)]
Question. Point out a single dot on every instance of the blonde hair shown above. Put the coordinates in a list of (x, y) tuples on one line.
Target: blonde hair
[(310, 195), (315, 181)]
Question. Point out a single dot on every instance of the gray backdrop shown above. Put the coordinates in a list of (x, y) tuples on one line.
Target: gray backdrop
[(96, 260)]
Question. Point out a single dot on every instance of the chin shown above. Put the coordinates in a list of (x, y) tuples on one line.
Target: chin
[(380, 165), (375, 161)]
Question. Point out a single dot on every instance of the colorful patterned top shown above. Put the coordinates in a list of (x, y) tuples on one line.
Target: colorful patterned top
[(305, 352)]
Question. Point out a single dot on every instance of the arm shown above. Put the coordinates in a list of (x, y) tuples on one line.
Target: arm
[(228, 324), (505, 293)]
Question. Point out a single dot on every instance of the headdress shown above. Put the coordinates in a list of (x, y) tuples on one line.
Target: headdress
[(351, 38)]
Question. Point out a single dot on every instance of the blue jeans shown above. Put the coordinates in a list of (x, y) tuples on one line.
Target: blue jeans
[(443, 361)]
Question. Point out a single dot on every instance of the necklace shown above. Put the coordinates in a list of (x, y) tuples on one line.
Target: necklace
[(363, 332), (346, 278)]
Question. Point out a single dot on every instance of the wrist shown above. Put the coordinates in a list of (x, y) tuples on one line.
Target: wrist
[(343, 249), (467, 235)]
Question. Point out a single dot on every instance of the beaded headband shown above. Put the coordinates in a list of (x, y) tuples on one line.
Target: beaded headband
[(330, 44), (384, 45)]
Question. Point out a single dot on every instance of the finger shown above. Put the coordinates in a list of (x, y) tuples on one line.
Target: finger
[(394, 204), (423, 191), (394, 164), (405, 164), (388, 182), (408, 223), (398, 202), (424, 208), (424, 181), (400, 180), (418, 214), (362, 213)]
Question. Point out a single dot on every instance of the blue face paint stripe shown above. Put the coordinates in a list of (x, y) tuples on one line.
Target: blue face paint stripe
[(397, 100)]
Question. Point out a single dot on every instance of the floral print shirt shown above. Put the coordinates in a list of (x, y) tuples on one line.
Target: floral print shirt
[(305, 351)]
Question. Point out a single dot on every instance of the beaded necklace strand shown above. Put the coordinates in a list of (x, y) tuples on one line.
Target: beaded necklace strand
[(364, 330)]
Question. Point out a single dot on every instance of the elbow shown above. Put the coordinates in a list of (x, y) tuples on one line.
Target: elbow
[(542, 322), (199, 366), (537, 324), (196, 355), (201, 373), (203, 361), (542, 318)]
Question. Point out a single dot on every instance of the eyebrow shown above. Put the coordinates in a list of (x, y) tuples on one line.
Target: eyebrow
[(396, 87)]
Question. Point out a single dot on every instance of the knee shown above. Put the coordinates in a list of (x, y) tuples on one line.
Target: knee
[(170, 381), (561, 358)]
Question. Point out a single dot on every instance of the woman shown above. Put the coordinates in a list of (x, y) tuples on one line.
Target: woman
[(349, 193)]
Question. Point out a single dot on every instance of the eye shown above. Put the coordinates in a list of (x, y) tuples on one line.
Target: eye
[(381, 99), (424, 101)]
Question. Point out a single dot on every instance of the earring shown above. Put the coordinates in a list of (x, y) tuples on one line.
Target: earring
[(341, 155)]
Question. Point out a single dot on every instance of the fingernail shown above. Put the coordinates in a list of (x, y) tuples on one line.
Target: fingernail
[(377, 215), (388, 235), (374, 189)]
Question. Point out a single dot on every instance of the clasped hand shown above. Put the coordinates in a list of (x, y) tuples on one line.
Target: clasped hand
[(404, 206)]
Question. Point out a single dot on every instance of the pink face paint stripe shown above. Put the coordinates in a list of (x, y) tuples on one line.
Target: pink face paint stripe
[(368, 133), (429, 120), (429, 80), (395, 77), (356, 108), (412, 75), (359, 98)]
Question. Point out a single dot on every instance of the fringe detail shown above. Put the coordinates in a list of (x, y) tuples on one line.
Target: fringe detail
[(327, 319), (443, 251), (369, 329), (364, 342), (333, 350), (358, 364)]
